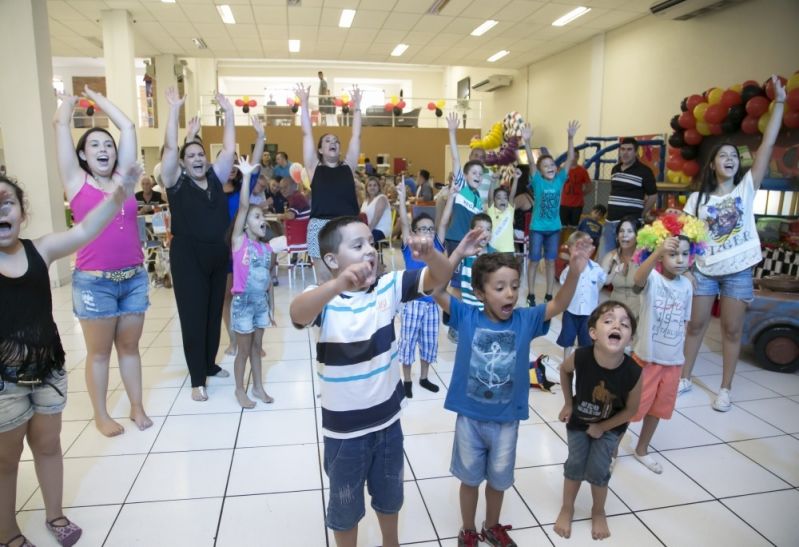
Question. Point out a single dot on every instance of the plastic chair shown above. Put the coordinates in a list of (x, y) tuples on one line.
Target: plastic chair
[(388, 242), (297, 246)]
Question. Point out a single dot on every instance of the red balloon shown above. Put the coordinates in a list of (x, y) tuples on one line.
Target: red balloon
[(750, 82), (686, 121), (401, 104), (253, 102), (791, 119), (692, 137), (694, 100), (675, 162), (757, 106), (431, 105), (730, 98), (715, 113), (749, 125), (769, 87), (715, 129), (691, 168), (388, 107), (239, 102), (792, 99)]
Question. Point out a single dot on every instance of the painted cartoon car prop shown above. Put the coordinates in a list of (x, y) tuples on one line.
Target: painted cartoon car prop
[(771, 325)]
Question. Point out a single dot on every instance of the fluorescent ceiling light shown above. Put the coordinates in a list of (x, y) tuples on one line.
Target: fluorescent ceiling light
[(485, 27), (226, 14), (571, 16), (347, 15), (399, 50), (199, 43), (294, 46), (168, 1), (498, 55)]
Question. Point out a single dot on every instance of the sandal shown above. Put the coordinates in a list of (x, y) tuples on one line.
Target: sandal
[(67, 534), (25, 542), (650, 463)]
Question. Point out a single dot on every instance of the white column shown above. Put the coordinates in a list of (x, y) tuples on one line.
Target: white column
[(119, 54), (164, 79), (26, 113)]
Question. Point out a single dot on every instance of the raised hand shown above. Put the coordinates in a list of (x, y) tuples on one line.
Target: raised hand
[(574, 125), (401, 190), (303, 93), (779, 89), (527, 133), (258, 126), (245, 167), (64, 113), (669, 245), (580, 254), (173, 98), (356, 276), (453, 120), (223, 102), (457, 185), (421, 246), (356, 94), (89, 93), (126, 182), (193, 127), (472, 243)]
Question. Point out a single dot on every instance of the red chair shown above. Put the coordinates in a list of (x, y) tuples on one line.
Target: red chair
[(297, 245)]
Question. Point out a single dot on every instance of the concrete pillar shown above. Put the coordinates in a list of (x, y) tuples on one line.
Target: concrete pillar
[(164, 79), (120, 70), (26, 114)]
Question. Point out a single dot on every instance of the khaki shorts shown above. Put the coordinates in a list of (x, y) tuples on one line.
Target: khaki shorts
[(18, 403)]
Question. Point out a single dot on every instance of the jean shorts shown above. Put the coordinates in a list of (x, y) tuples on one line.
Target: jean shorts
[(98, 298), (455, 281), (589, 458), (249, 312), (548, 242), (574, 326), (19, 402), (375, 459), (484, 451), (737, 285)]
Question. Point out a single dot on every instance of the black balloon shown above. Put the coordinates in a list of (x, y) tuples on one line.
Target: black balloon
[(751, 91), (294, 109), (345, 109), (737, 113), (397, 111), (676, 139), (684, 104), (439, 112), (689, 152), (90, 111), (245, 108), (728, 126), (674, 123)]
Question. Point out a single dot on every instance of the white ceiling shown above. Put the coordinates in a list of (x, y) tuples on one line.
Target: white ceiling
[(264, 27)]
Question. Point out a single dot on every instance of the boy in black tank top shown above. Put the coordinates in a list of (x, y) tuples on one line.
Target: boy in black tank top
[(606, 396)]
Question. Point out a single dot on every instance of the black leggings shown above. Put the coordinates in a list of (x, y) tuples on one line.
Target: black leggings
[(199, 271)]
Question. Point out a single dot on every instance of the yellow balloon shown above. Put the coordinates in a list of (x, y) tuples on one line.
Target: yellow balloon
[(714, 95), (737, 88), (440, 103), (685, 179), (394, 99), (673, 176), (763, 122), (703, 128), (793, 82), (345, 98), (246, 98), (771, 106), (699, 112), (681, 199)]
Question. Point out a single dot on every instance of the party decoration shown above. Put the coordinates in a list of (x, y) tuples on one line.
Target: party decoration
[(687, 120), (699, 112), (245, 103), (439, 112), (674, 123), (675, 162), (652, 236), (715, 113), (512, 125), (714, 95), (792, 99), (689, 152), (763, 122), (294, 103), (757, 106), (691, 168), (730, 98), (692, 101), (89, 105), (750, 91), (692, 137), (749, 125), (703, 128), (768, 86), (792, 83), (677, 139), (791, 119), (440, 103), (493, 138)]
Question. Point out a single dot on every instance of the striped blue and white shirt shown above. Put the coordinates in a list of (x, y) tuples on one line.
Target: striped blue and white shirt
[(357, 356)]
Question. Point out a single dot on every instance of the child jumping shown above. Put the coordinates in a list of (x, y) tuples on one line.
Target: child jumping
[(665, 309), (491, 383), (574, 323), (253, 296), (33, 381), (607, 391), (362, 393), (547, 183)]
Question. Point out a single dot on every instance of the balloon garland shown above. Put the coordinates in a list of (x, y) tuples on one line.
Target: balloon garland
[(395, 105), (437, 107), (742, 107), (345, 103), (89, 105), (294, 103), (245, 103)]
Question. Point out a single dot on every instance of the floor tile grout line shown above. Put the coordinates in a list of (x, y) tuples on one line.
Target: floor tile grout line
[(758, 532), (227, 481)]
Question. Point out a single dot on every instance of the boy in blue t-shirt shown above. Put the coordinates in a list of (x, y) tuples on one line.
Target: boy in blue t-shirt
[(490, 382), (547, 184)]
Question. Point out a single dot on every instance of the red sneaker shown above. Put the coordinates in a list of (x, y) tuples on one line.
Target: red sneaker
[(468, 538), (498, 536)]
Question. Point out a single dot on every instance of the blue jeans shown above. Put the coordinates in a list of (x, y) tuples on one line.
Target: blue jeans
[(484, 451), (375, 459), (249, 312), (589, 458), (544, 243), (97, 297), (737, 285)]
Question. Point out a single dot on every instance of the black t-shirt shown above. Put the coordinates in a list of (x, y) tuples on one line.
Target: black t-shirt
[(333, 192), (199, 214), (628, 188), (600, 392)]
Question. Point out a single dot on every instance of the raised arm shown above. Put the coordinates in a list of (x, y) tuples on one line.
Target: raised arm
[(192, 129), (308, 305), (127, 148), (60, 244), (517, 174), (68, 166), (763, 158), (246, 169), (574, 125), (402, 212), (578, 261), (260, 142), (527, 139), (446, 214), (452, 127), (170, 163), (309, 156), (354, 148), (223, 164), (670, 245)]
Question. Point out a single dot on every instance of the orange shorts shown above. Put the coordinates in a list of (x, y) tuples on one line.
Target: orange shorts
[(659, 390)]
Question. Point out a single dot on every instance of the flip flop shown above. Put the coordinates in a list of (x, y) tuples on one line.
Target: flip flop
[(650, 463)]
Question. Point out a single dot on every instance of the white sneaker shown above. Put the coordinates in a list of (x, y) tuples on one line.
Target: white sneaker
[(722, 402), (685, 386)]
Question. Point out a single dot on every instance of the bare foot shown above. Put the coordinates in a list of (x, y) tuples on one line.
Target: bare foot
[(231, 350), (599, 525), (563, 526), (140, 418), (263, 395), (109, 427), (199, 394), (244, 401)]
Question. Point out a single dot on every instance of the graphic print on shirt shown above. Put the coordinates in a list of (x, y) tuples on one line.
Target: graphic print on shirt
[(599, 407), (725, 220), (668, 327), (550, 205), (491, 368)]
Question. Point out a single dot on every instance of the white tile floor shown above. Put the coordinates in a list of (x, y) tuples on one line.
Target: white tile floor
[(211, 474)]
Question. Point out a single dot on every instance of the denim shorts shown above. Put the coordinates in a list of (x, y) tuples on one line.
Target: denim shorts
[(573, 326), (589, 458), (375, 459), (98, 298), (455, 281), (548, 242), (736, 285), (18, 403), (249, 312), (484, 451)]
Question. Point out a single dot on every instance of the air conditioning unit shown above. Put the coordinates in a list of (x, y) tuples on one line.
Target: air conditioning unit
[(492, 83), (682, 10)]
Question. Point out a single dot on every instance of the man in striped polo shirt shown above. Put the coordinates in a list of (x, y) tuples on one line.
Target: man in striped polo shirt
[(632, 192)]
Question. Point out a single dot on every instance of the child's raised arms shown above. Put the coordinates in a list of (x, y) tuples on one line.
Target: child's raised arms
[(668, 245), (470, 245), (574, 125), (452, 125), (446, 214), (527, 139), (60, 244), (246, 169), (580, 254), (403, 212), (170, 161)]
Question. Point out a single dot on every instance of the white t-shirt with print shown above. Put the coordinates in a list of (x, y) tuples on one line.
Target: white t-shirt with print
[(733, 244), (586, 294), (665, 309)]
